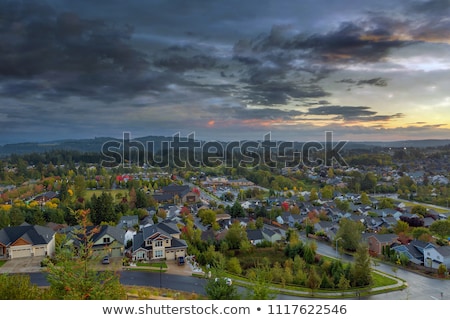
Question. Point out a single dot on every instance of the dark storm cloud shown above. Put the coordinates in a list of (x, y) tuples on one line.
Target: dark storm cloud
[(429, 20), (360, 113), (55, 55), (242, 112), (279, 93), (367, 41), (181, 58), (378, 82)]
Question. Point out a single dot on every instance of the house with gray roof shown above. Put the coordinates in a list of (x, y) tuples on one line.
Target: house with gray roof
[(413, 250), (377, 241), (160, 241), (106, 240), (255, 236), (128, 222), (26, 241), (272, 234), (435, 256)]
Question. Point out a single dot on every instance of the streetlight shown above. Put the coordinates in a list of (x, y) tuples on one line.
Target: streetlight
[(160, 277), (337, 239)]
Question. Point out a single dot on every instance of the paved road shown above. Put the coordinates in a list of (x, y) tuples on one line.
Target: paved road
[(179, 278), (420, 287)]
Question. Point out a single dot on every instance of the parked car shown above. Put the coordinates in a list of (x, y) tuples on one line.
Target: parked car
[(181, 261), (105, 260), (228, 281)]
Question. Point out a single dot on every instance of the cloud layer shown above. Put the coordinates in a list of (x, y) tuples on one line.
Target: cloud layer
[(367, 71)]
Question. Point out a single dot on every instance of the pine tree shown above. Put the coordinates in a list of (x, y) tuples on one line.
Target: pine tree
[(72, 278)]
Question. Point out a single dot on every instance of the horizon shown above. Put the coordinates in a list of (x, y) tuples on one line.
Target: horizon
[(372, 71), (218, 140)]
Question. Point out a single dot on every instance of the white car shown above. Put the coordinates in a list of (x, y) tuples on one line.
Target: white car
[(228, 281)]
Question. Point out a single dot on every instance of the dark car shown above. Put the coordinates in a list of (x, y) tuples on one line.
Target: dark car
[(105, 260), (180, 261)]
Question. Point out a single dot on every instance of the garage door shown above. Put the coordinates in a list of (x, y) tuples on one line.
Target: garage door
[(20, 253), (39, 252), (170, 255), (116, 252)]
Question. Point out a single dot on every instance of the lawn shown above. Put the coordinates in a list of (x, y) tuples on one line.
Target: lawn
[(2, 263), (114, 193)]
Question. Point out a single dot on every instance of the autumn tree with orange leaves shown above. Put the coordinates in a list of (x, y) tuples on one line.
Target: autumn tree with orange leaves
[(71, 275)]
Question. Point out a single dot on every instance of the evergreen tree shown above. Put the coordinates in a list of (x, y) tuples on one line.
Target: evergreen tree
[(71, 277), (361, 273)]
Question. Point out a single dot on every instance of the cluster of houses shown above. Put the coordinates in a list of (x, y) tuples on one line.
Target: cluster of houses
[(162, 240)]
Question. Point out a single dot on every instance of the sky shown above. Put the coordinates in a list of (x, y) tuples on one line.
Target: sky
[(374, 70)]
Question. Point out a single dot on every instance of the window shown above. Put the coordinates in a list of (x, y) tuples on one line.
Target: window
[(158, 243), (159, 254), (106, 240)]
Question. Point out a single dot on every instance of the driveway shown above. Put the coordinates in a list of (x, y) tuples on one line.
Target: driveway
[(22, 265)]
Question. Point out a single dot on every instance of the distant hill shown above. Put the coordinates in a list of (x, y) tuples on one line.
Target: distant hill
[(81, 145), (96, 144)]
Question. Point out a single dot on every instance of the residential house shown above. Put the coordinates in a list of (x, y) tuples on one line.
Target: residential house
[(329, 228), (435, 256), (255, 236), (376, 241), (413, 250), (128, 222), (373, 224), (272, 234), (158, 242), (26, 241), (106, 240), (177, 194)]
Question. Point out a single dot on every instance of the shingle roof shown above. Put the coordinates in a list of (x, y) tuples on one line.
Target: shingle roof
[(255, 234), (33, 234)]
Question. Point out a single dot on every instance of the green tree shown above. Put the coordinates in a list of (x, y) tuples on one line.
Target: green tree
[(16, 216), (441, 228), (234, 266), (420, 232), (236, 233), (5, 221), (327, 192), (365, 200), (71, 277), (19, 287), (142, 200), (369, 182), (218, 289), (207, 216), (260, 279), (350, 233), (361, 271), (343, 283), (79, 187), (386, 203), (419, 210), (342, 205), (102, 208), (401, 227), (313, 281), (236, 210), (313, 196)]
